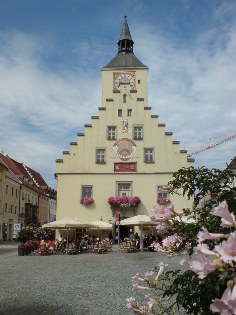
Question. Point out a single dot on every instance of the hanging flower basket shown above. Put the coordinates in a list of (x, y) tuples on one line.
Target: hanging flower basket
[(124, 202), (163, 201), (86, 201)]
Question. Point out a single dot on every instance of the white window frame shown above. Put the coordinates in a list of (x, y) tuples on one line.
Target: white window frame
[(124, 191), (86, 191), (100, 156), (111, 132), (149, 155), (129, 112), (162, 192), (138, 132)]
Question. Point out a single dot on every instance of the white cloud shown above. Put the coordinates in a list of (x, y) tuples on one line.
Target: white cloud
[(191, 87)]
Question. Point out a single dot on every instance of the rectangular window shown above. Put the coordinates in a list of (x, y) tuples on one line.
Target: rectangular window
[(6, 207), (12, 191), (124, 189), (149, 155), (15, 209), (86, 192), (0, 185), (138, 132), (100, 156), (6, 189), (16, 193), (119, 112), (162, 192), (129, 112), (11, 209), (23, 196), (111, 133)]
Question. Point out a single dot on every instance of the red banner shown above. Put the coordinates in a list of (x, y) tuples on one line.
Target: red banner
[(125, 167)]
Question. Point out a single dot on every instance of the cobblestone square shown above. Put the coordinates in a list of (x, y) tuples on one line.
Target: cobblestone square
[(84, 284)]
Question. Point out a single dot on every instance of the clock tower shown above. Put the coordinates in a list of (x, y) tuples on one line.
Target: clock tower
[(125, 76)]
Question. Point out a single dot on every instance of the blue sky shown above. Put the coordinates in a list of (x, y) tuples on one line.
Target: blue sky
[(51, 57)]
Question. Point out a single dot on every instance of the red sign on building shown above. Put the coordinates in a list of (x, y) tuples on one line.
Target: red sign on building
[(125, 167)]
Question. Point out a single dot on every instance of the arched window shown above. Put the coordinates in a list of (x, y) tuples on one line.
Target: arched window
[(124, 98)]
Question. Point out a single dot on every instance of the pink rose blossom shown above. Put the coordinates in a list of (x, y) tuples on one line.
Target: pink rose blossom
[(205, 235), (227, 218), (227, 249), (202, 266)]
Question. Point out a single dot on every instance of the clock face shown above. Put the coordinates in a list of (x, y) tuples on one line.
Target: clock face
[(124, 78)]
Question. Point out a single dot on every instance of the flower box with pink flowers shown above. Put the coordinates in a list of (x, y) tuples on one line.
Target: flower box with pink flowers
[(124, 202), (86, 201)]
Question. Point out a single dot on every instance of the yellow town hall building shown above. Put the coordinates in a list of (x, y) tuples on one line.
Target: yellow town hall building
[(124, 156)]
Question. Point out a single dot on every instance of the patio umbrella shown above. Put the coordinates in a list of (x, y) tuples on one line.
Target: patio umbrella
[(99, 224), (67, 223), (141, 221)]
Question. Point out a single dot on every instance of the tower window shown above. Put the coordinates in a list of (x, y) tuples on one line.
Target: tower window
[(138, 132), (124, 98), (119, 112), (100, 156), (149, 155), (139, 81), (129, 112), (111, 132)]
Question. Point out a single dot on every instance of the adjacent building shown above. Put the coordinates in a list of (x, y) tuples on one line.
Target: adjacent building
[(124, 159), (25, 198)]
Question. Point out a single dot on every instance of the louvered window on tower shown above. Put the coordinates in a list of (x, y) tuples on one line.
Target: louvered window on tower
[(124, 98)]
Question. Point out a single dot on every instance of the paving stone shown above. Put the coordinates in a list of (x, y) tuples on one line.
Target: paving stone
[(84, 284)]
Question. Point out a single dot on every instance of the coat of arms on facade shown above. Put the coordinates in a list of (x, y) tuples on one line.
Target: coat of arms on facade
[(124, 148), (125, 125)]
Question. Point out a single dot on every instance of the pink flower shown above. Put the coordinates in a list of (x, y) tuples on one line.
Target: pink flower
[(227, 304), (161, 270), (227, 249), (205, 235), (158, 209), (202, 266), (150, 302), (203, 249), (149, 276), (131, 304), (227, 218), (162, 227)]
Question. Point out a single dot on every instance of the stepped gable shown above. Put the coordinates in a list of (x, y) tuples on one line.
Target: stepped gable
[(36, 177), (232, 164)]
